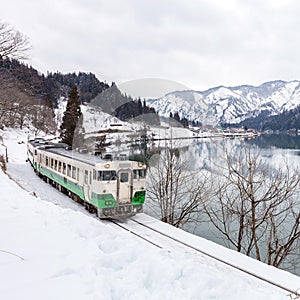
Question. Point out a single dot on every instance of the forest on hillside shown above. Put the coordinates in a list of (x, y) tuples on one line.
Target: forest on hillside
[(27, 94), (286, 121)]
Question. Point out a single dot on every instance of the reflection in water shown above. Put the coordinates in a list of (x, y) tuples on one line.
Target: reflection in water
[(208, 154), (282, 141)]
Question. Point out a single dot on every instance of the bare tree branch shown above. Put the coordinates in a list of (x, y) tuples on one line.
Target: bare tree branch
[(175, 189), (256, 209), (13, 44)]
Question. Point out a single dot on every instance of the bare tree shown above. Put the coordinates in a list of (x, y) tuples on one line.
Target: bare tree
[(13, 44), (19, 108), (43, 119), (15, 104), (256, 209), (175, 189)]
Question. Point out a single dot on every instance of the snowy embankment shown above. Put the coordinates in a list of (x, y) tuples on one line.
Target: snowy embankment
[(52, 249)]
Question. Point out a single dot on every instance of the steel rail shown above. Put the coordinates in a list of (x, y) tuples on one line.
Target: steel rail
[(295, 293)]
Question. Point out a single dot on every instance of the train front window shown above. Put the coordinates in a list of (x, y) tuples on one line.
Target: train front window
[(106, 175), (124, 177), (137, 174)]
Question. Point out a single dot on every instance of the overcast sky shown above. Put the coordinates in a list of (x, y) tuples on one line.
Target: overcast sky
[(197, 43)]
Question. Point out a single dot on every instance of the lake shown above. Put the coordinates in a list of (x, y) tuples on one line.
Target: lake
[(208, 153)]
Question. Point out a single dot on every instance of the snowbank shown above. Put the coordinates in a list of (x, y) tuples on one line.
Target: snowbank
[(68, 255)]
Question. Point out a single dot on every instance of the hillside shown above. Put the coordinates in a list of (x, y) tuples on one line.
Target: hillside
[(51, 86), (286, 121), (24, 86)]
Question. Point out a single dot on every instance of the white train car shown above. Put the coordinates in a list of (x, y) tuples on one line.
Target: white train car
[(113, 189)]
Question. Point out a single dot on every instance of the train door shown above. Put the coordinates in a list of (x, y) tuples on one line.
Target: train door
[(124, 190)]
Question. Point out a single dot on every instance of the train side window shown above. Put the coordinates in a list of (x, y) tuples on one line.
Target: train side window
[(51, 163), (94, 174), (69, 170), (64, 168), (59, 166), (86, 177), (77, 174), (73, 172), (55, 164), (47, 161)]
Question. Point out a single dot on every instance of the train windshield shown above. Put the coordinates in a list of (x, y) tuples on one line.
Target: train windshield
[(137, 174), (107, 175)]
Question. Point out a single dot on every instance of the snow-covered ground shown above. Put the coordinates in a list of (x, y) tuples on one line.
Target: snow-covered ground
[(51, 248)]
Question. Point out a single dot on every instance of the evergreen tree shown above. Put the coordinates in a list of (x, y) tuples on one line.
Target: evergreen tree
[(71, 124), (176, 117), (140, 110)]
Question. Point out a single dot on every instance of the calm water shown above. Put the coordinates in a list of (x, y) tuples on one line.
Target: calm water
[(276, 149)]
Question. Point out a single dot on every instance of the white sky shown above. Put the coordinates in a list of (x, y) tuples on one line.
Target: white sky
[(200, 44)]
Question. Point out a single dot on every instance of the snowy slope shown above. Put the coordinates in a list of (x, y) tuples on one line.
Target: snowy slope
[(94, 120), (230, 104), (52, 249)]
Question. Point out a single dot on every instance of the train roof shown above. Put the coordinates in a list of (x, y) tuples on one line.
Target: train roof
[(65, 150)]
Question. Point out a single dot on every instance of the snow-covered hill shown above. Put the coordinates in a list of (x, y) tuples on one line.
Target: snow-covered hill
[(230, 104), (95, 121), (51, 248)]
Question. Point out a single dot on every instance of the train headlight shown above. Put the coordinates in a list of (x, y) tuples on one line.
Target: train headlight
[(140, 164), (107, 166)]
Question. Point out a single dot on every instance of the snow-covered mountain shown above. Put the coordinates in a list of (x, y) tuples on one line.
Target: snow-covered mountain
[(230, 104)]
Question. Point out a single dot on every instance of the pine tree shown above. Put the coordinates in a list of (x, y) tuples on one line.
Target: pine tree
[(72, 120), (176, 117), (139, 107)]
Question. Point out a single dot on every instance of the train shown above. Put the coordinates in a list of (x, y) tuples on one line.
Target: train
[(112, 188)]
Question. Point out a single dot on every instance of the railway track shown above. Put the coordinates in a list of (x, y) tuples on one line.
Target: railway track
[(162, 240)]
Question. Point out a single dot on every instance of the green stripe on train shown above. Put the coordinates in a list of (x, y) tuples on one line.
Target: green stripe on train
[(108, 200), (63, 181), (98, 200), (103, 200)]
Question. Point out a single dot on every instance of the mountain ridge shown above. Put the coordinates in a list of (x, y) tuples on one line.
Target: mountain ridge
[(230, 105)]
